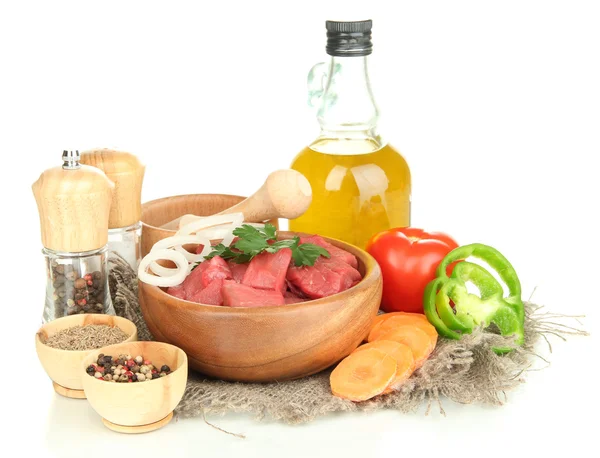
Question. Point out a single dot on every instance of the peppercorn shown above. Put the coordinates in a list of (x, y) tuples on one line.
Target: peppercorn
[(144, 369), (128, 357), (151, 367), (139, 359), (162, 374), (115, 377), (108, 359), (147, 362), (135, 369), (123, 378), (141, 377), (90, 369), (80, 283), (96, 275), (155, 375), (107, 377), (165, 368), (97, 374)]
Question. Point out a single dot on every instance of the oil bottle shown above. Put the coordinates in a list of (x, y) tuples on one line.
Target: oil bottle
[(361, 185)]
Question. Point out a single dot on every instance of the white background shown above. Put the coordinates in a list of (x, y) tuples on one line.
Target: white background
[(495, 105)]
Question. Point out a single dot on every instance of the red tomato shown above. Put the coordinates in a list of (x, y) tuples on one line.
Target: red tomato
[(408, 258)]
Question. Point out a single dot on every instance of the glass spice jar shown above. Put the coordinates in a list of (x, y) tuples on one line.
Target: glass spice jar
[(77, 283)]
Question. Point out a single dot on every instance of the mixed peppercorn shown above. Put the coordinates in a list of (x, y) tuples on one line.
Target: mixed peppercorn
[(126, 369), (74, 294)]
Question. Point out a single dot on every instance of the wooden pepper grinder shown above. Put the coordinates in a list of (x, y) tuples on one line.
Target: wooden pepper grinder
[(124, 226), (73, 203)]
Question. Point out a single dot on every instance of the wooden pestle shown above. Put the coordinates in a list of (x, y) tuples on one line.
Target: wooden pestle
[(285, 194)]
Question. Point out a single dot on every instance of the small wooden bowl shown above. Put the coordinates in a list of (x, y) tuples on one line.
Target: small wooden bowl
[(268, 343), (63, 366), (157, 212), (141, 406)]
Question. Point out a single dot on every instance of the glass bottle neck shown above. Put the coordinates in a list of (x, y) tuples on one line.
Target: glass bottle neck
[(347, 109), (348, 104)]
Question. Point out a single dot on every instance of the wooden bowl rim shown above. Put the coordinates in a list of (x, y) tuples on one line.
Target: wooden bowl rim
[(179, 196), (118, 318), (372, 273), (155, 343)]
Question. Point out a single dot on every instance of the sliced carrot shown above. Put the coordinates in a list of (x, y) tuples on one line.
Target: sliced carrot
[(403, 320), (401, 353), (379, 319), (418, 340), (363, 375)]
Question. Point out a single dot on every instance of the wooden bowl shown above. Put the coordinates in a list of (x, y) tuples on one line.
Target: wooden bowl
[(268, 343), (140, 406), (155, 213), (63, 366)]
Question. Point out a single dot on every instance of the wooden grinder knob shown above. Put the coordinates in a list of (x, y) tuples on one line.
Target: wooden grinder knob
[(127, 173), (73, 203)]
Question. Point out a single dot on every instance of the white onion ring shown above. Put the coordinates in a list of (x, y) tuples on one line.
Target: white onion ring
[(210, 221), (177, 240), (172, 280)]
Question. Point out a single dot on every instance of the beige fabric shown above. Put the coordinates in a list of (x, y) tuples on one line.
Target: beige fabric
[(465, 371)]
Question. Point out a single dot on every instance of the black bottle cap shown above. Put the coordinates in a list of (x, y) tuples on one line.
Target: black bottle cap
[(349, 38)]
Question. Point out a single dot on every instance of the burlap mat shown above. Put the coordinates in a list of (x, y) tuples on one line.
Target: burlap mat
[(465, 371)]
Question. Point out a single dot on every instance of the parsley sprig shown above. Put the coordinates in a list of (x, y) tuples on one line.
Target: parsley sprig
[(253, 241)]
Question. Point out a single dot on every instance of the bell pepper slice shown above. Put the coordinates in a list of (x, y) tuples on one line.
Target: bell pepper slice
[(471, 310)]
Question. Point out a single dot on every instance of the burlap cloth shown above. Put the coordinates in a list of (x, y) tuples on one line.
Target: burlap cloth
[(465, 371)]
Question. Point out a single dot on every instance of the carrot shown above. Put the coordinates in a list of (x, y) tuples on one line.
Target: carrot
[(401, 353), (379, 319), (418, 340), (363, 375), (402, 320)]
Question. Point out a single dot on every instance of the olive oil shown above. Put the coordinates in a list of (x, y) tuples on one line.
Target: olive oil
[(354, 195), (360, 184)]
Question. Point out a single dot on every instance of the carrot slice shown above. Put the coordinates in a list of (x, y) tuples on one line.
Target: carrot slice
[(418, 340), (363, 375), (379, 319), (403, 320), (401, 353)]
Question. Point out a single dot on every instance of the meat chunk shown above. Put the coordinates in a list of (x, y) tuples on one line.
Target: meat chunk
[(217, 268), (291, 298), (177, 291), (237, 270), (204, 274), (268, 270), (325, 278), (240, 295), (335, 252), (193, 282), (210, 295)]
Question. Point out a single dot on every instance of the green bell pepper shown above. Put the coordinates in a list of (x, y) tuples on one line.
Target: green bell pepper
[(471, 311)]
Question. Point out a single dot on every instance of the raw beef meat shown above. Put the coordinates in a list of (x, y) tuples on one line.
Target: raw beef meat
[(217, 268), (268, 270), (210, 295), (322, 280), (335, 252), (176, 291), (237, 270), (239, 295)]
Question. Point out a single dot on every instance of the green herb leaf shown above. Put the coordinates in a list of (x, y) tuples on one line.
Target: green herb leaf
[(253, 241), (306, 254)]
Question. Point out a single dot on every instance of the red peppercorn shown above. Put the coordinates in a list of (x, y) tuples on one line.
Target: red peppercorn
[(90, 282), (130, 363), (82, 302), (154, 371), (88, 276), (147, 362), (100, 369), (129, 381), (129, 374)]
